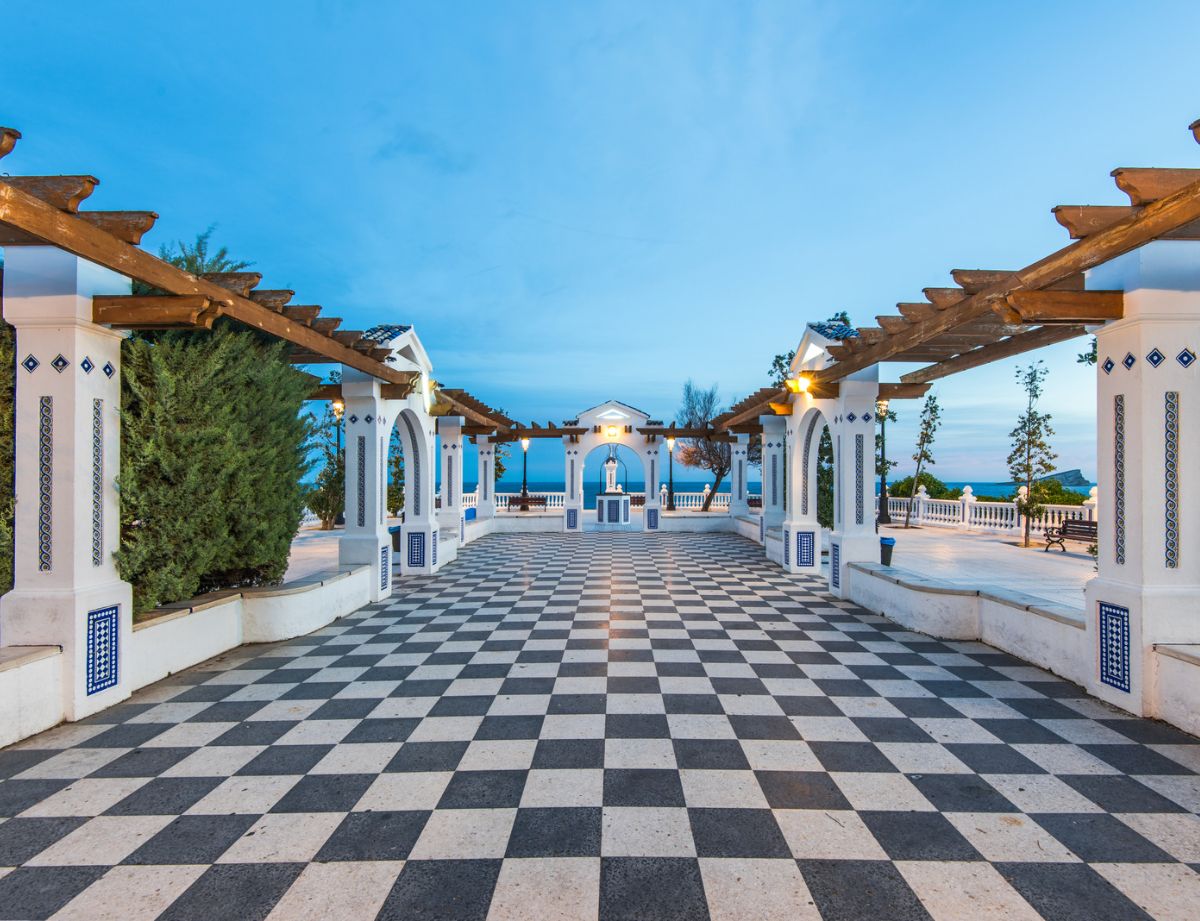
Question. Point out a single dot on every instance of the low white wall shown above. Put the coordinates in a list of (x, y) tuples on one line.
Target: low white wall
[(527, 522), (1176, 696), (747, 526), (31, 698), (696, 521), (774, 546), (173, 642), (270, 615), (1048, 635)]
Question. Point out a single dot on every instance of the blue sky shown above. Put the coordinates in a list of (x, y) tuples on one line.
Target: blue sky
[(580, 201)]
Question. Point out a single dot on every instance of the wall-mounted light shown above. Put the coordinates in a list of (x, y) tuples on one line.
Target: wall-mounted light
[(611, 431), (797, 384)]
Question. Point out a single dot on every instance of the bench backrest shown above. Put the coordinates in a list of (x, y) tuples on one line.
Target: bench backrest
[(1078, 526)]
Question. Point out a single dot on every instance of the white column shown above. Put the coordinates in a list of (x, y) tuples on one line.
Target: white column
[(1147, 590), (420, 550), (774, 472), (366, 541), (573, 479), (739, 504), (651, 473), (801, 530), (450, 515), (66, 590), (853, 539), (485, 501)]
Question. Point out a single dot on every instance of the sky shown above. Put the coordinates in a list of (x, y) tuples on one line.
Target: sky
[(580, 201)]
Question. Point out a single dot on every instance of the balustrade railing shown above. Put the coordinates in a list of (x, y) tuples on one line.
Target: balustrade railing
[(470, 499), (971, 514), (554, 500)]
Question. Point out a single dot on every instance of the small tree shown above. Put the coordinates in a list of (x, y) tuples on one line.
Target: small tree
[(327, 499), (1088, 357), (395, 490), (931, 416), (781, 367), (501, 451), (698, 409), (1031, 457)]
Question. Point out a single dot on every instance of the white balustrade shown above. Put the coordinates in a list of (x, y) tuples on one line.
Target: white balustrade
[(972, 514), (554, 500), (470, 499)]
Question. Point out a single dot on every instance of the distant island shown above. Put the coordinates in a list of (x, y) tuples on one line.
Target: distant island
[(1070, 478)]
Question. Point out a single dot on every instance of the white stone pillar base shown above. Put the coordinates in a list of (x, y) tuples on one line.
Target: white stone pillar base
[(573, 519), (802, 547), (421, 549), (848, 548), (93, 626), (374, 550), (651, 517)]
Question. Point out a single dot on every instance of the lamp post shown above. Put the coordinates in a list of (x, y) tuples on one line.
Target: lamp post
[(524, 474), (671, 473), (339, 408), (881, 413)]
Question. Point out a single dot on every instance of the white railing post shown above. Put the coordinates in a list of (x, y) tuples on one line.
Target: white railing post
[(919, 504), (1017, 500), (968, 506), (662, 495), (1090, 504)]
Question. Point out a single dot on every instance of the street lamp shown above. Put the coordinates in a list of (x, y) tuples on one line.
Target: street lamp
[(671, 475), (339, 409), (524, 474), (881, 413)]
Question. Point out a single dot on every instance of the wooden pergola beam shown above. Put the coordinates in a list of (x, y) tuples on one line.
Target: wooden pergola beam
[(903, 391), (8, 140), (64, 193), (57, 227), (1006, 348), (1144, 185), (129, 226), (942, 298), (136, 311), (1070, 307), (274, 298), (302, 313), (1149, 223), (1082, 221)]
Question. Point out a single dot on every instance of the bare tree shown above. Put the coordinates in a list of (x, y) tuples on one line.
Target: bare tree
[(698, 409)]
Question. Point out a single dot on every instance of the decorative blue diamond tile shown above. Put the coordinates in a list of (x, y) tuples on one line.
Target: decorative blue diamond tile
[(368, 418), (1156, 358), (87, 365), (1108, 365), (866, 417), (353, 419), (1186, 358), (30, 364), (59, 364), (1128, 361), (851, 417), (108, 369)]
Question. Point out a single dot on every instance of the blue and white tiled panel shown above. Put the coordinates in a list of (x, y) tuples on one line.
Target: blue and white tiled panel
[(806, 545), (103, 649), (416, 549), (385, 568), (835, 565), (1114, 650), (652, 519), (572, 519)]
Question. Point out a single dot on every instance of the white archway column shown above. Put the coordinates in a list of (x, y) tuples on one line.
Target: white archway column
[(651, 456), (801, 530), (774, 476), (853, 539), (366, 541), (739, 462), (450, 515), (1147, 589), (420, 552), (485, 495), (66, 589), (573, 457)]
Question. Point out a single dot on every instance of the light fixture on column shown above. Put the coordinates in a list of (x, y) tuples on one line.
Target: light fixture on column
[(612, 431), (671, 473), (797, 384), (339, 409), (881, 413)]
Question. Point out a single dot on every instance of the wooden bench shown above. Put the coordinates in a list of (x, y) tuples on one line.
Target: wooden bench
[(1071, 529), (516, 503)]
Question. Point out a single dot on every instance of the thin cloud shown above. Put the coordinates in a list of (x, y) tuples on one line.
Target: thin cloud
[(410, 143)]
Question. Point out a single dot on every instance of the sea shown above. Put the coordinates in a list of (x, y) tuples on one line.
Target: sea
[(592, 489)]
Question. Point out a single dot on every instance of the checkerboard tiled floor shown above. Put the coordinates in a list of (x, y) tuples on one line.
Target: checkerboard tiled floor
[(613, 726)]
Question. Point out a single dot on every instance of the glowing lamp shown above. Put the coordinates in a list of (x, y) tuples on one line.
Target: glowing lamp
[(881, 407), (524, 444), (798, 384), (612, 431), (670, 442), (338, 408)]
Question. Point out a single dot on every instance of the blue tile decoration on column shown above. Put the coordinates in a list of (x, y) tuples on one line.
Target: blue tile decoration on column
[(433, 544), (415, 464), (361, 471), (30, 363), (600, 511), (60, 364), (572, 519), (571, 478), (835, 565), (1171, 479), (97, 482), (416, 549), (858, 479), (87, 365), (385, 570), (652, 519), (1114, 646), (108, 369), (1108, 365), (762, 527), (806, 545), (774, 479), (1119, 478), (1186, 358), (787, 547), (45, 484), (462, 528), (1155, 358), (103, 636), (804, 465), (1129, 361), (487, 476)]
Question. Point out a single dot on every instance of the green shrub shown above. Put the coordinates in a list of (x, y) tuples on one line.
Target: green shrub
[(7, 500), (213, 453), (934, 488)]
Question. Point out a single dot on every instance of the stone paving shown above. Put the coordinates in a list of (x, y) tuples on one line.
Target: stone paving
[(618, 726)]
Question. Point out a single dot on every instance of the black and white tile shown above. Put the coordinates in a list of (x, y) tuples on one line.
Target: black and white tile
[(604, 726)]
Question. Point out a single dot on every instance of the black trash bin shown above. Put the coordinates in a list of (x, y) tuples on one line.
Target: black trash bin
[(886, 545)]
